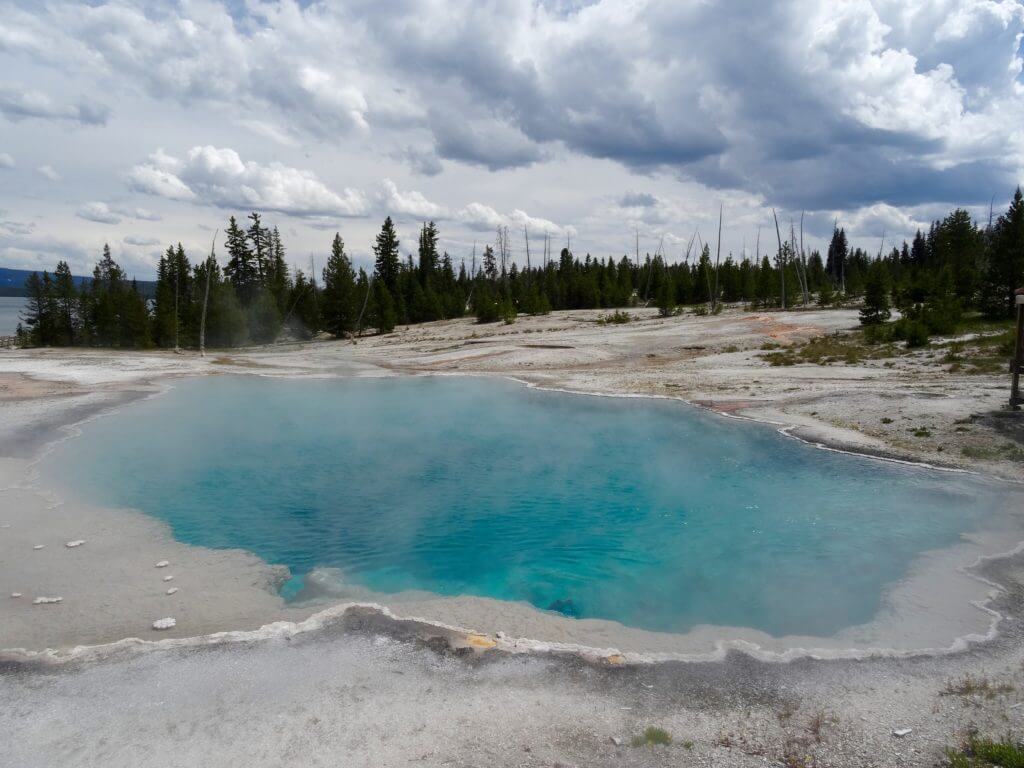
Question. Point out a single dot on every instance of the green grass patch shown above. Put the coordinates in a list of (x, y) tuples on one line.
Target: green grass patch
[(1007, 451), (976, 686), (848, 348), (986, 753), (652, 736)]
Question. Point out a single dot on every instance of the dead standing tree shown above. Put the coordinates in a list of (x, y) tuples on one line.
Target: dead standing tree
[(798, 263), (718, 253), (472, 279), (210, 264), (781, 259)]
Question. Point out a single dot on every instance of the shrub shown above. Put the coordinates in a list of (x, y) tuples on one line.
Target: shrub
[(618, 317), (878, 334), (914, 332)]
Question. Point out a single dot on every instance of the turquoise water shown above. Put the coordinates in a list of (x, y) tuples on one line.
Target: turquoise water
[(651, 513)]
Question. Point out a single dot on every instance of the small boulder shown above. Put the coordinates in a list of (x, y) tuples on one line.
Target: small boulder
[(172, 590), (75, 543), (163, 564), (46, 600), (167, 623)]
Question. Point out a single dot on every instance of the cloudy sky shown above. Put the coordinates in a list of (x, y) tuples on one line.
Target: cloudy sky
[(143, 123)]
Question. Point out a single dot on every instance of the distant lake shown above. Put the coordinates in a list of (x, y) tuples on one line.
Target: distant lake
[(10, 312)]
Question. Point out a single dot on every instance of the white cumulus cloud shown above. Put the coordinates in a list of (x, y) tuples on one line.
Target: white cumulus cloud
[(220, 177), (411, 203), (98, 212)]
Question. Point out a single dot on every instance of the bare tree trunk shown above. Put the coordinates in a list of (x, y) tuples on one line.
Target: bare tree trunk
[(718, 253), (206, 296), (177, 349), (366, 300), (801, 275), (472, 279), (782, 258), (689, 247), (803, 260)]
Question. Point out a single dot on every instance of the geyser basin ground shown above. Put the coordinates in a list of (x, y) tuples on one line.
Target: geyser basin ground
[(649, 513)]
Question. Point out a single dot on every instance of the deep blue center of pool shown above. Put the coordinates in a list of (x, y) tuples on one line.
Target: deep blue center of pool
[(650, 513)]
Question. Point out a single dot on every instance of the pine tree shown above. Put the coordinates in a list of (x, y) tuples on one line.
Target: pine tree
[(278, 280), (107, 302), (65, 298), (384, 317), (259, 238), (826, 296), (835, 262), (134, 331), (163, 303), (490, 264), (387, 264), (38, 314), (264, 318), (958, 244), (666, 297), (226, 324), (241, 267), (428, 258), (765, 283), (1004, 272), (341, 301), (876, 297)]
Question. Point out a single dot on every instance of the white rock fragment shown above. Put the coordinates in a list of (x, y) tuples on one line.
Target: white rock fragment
[(15, 594), (172, 590), (899, 733), (163, 564), (38, 546), (46, 600), (616, 741), (168, 577), (75, 543), (5, 525), (167, 623)]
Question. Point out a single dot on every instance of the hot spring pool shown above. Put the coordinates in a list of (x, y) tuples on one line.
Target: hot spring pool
[(650, 513)]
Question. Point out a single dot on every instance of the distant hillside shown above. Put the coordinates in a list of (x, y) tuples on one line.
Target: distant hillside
[(12, 282)]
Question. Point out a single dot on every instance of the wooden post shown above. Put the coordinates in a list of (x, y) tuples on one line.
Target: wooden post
[(1018, 355)]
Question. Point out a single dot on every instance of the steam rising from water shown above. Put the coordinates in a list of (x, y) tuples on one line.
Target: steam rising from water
[(649, 513)]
